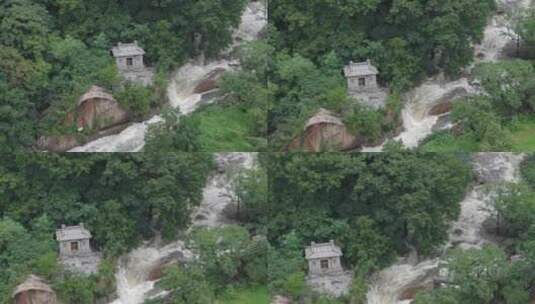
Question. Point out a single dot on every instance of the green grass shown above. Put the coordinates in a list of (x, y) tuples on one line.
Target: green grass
[(226, 128), (523, 135), (446, 142), (256, 295)]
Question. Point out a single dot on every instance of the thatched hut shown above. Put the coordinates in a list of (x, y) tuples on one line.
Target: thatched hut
[(34, 291), (322, 132)]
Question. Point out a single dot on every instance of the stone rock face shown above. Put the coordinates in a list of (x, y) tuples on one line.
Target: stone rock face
[(34, 291), (209, 82), (281, 300), (495, 167), (445, 103), (57, 143), (441, 108), (410, 293), (95, 110), (335, 284), (323, 131), (443, 123)]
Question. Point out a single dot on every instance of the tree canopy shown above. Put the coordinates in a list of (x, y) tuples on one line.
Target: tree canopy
[(51, 52)]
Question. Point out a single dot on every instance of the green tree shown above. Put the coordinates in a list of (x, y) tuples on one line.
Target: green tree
[(25, 26), (76, 288), (17, 261), (174, 133), (481, 276), (509, 85), (17, 129), (124, 198), (411, 198), (476, 117), (524, 27), (366, 247), (136, 98), (228, 255), (250, 193), (187, 284)]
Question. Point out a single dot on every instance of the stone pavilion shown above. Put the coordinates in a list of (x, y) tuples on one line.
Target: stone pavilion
[(75, 251), (362, 84), (129, 60)]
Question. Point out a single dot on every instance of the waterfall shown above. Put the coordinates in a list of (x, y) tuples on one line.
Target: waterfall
[(134, 269), (180, 91), (133, 282), (467, 232), (417, 122)]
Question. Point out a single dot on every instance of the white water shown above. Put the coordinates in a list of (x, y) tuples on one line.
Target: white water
[(132, 283), (217, 194), (133, 286), (181, 87), (417, 123), (466, 232)]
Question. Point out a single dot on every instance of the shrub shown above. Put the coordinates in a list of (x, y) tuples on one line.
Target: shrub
[(135, 98)]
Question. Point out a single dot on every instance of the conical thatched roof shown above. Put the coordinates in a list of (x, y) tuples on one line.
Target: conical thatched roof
[(32, 283), (323, 116), (95, 92)]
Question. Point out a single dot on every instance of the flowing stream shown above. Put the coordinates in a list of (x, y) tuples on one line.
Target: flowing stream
[(134, 283), (388, 285), (180, 91), (417, 122)]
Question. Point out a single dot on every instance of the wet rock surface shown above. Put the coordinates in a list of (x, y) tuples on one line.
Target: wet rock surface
[(444, 104), (209, 82), (443, 123), (140, 270), (335, 284), (495, 167), (397, 283)]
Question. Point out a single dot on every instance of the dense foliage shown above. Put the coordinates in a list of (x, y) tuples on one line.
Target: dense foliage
[(485, 276), (32, 250), (374, 206), (489, 121), (237, 122), (174, 133), (228, 257), (299, 88), (406, 39), (497, 274), (51, 52), (121, 197)]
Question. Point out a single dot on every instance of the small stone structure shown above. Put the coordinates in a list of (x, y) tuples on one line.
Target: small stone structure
[(323, 258), (75, 251), (129, 59), (325, 272), (34, 291), (362, 84)]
